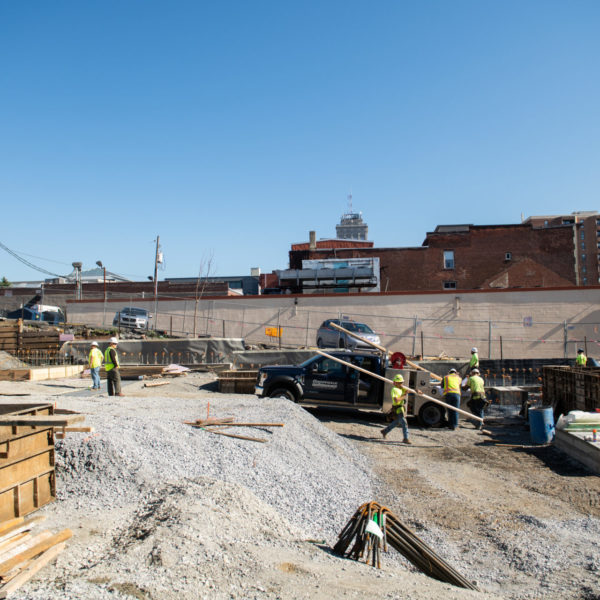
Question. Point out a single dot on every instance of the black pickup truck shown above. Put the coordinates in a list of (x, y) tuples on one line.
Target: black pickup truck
[(321, 381)]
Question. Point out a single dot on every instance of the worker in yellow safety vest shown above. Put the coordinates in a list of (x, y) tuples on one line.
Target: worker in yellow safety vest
[(474, 362), (581, 360), (111, 366), (451, 386), (95, 362), (478, 401), (398, 394)]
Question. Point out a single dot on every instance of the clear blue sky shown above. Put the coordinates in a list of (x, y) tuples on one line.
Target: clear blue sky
[(231, 129)]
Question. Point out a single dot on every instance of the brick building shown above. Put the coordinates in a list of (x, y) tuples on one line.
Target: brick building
[(455, 257), (585, 229)]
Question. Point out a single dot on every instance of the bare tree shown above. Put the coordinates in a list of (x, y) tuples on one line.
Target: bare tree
[(206, 265)]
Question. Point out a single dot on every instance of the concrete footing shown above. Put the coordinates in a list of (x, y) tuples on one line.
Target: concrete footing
[(574, 444)]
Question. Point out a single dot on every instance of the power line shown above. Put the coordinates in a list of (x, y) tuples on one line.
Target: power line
[(26, 262)]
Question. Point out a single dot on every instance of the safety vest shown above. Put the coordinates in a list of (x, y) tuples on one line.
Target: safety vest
[(474, 361), (95, 358), (398, 397), (108, 363), (477, 386), (452, 384), (581, 360)]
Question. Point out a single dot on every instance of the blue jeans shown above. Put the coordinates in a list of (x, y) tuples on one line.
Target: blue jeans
[(452, 415), (95, 372), (399, 420)]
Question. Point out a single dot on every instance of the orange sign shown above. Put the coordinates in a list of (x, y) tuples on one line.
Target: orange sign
[(273, 331)]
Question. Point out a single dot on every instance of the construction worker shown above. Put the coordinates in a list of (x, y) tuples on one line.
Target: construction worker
[(478, 401), (474, 362), (451, 386), (95, 362), (111, 365), (399, 408), (581, 360)]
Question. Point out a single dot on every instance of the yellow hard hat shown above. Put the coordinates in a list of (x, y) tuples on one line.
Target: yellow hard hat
[(398, 378)]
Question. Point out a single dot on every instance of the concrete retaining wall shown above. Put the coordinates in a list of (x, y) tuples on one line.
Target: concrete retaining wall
[(519, 324)]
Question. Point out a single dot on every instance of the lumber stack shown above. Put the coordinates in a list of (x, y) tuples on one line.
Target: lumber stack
[(23, 553), (373, 528)]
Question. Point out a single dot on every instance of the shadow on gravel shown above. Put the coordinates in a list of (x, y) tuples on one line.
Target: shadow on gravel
[(211, 386), (347, 415)]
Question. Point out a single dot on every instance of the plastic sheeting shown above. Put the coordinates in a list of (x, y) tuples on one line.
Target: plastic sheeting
[(162, 352)]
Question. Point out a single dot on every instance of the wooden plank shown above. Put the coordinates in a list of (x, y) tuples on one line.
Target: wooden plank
[(239, 437), (31, 569), (246, 424), (9, 564), (156, 384), (30, 542), (23, 526), (10, 524), (41, 420), (27, 470), (14, 541)]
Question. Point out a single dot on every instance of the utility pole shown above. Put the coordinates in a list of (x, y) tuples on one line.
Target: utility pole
[(156, 283)]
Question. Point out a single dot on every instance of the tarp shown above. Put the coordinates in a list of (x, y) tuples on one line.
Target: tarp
[(162, 352)]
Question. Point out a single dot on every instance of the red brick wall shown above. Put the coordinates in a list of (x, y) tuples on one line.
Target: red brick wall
[(479, 255)]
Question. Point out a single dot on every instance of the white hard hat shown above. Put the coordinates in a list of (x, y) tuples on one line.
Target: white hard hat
[(475, 371), (94, 343), (473, 349), (113, 340)]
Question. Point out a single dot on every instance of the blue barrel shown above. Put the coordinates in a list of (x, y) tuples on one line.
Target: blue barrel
[(541, 425)]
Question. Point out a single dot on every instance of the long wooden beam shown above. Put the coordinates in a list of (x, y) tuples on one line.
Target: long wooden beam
[(448, 406), (382, 349)]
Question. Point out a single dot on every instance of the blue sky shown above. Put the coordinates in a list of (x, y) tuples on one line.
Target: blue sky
[(231, 129)]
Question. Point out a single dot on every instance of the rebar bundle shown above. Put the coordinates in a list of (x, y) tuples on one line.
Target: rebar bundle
[(374, 527)]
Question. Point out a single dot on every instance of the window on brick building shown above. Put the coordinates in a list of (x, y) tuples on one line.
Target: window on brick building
[(448, 259), (449, 285), (508, 256), (545, 223), (585, 281), (583, 257), (582, 235), (583, 245)]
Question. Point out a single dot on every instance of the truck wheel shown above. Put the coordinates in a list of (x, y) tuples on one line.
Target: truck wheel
[(431, 415), (342, 343), (283, 393)]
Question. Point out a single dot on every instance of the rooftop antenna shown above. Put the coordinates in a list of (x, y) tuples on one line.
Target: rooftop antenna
[(350, 203)]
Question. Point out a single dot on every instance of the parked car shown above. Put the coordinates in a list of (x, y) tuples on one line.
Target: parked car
[(132, 318), (328, 336)]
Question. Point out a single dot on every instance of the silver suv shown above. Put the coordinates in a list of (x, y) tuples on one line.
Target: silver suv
[(132, 318), (328, 336)]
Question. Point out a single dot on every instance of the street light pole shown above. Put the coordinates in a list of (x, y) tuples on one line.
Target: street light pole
[(99, 263), (156, 284)]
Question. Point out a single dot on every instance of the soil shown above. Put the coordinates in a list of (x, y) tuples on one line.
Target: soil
[(522, 521)]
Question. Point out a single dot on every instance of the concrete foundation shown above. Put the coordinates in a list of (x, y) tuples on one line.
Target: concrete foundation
[(574, 444)]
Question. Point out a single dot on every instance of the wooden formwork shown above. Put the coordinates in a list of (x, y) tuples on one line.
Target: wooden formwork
[(27, 479), (571, 388), (237, 382), (15, 339)]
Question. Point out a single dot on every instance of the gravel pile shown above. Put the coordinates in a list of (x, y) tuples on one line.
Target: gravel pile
[(310, 475), (8, 361)]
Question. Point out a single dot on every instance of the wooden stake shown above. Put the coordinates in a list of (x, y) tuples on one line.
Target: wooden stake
[(246, 424), (239, 437)]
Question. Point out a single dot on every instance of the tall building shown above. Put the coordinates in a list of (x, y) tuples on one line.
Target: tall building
[(585, 226), (351, 225)]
